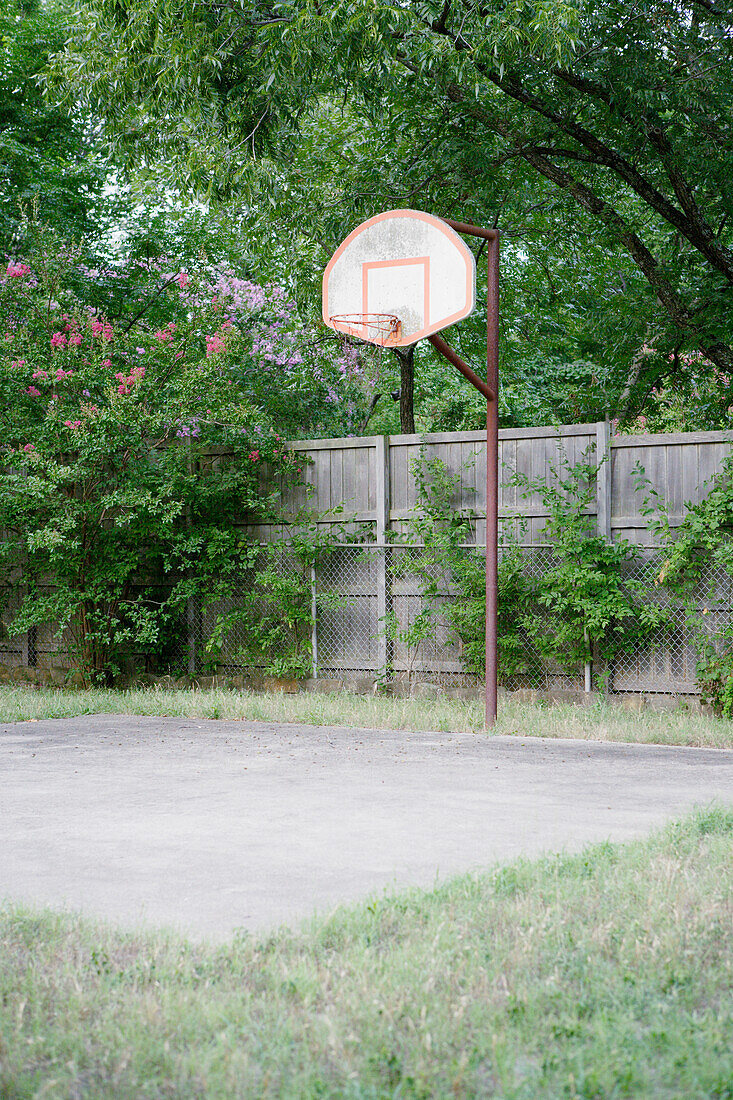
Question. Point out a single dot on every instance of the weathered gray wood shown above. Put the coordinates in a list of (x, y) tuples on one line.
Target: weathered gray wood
[(663, 440), (398, 476), (675, 498), (372, 479), (677, 466), (603, 479)]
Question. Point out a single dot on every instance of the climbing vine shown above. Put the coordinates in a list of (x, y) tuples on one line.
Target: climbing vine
[(583, 605), (696, 552)]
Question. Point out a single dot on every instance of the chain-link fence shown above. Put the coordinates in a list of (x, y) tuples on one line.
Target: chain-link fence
[(384, 612), (389, 613), (389, 610)]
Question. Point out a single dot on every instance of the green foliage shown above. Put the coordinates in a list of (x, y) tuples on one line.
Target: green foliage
[(594, 136), (452, 576), (694, 551), (715, 672), (260, 596), (49, 157), (115, 510), (518, 656), (584, 605), (590, 602), (698, 398)]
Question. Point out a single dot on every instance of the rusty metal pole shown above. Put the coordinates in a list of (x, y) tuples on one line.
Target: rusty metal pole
[(491, 391), (492, 479)]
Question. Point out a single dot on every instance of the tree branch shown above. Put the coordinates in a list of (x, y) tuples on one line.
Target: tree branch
[(687, 221), (695, 228), (596, 206), (711, 9), (148, 304)]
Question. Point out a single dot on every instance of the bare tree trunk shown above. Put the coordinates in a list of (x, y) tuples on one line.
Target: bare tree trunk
[(406, 357)]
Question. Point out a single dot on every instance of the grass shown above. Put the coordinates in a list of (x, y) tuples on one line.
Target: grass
[(603, 722), (601, 975)]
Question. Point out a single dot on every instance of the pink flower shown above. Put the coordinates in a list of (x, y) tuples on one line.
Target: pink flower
[(128, 381), (103, 329), (58, 340), (8, 337), (72, 424), (61, 374), (40, 374), (141, 351), (162, 335), (33, 391), (254, 455), (29, 447), (178, 355), (214, 344), (75, 339), (106, 362), (16, 271), (17, 364), (182, 279)]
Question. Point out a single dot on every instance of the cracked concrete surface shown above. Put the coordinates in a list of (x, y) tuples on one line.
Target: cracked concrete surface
[(210, 826)]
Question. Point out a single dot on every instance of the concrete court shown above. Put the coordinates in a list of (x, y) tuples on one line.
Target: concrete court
[(209, 826)]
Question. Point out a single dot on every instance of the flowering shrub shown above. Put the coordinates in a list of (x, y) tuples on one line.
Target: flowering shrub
[(107, 414)]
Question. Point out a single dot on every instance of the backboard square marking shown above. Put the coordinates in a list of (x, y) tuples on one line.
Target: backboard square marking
[(372, 302)]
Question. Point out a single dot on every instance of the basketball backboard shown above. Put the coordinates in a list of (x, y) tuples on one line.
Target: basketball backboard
[(397, 278)]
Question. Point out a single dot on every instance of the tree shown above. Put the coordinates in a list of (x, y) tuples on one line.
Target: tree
[(120, 390), (622, 111), (48, 156)]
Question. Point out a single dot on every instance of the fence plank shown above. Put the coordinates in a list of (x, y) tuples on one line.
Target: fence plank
[(603, 480)]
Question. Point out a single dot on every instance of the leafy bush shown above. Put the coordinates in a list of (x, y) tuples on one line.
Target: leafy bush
[(116, 387), (450, 564), (589, 601), (583, 604), (694, 551)]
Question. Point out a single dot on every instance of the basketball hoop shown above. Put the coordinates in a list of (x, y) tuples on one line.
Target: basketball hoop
[(418, 263), (374, 328)]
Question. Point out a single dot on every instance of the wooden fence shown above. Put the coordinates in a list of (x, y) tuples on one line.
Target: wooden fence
[(371, 476), (371, 481)]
